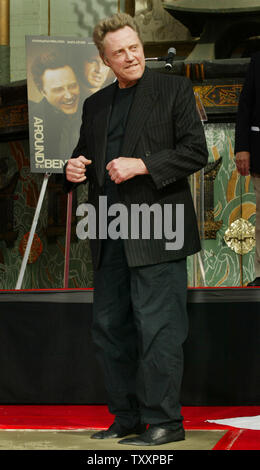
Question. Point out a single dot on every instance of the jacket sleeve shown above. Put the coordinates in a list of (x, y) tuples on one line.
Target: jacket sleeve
[(190, 152), (245, 107), (80, 149)]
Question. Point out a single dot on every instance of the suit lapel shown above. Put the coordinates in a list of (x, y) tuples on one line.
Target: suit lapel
[(141, 108), (100, 127), (140, 111)]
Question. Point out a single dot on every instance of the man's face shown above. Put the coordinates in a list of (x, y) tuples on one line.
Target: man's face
[(61, 89), (96, 72), (124, 54)]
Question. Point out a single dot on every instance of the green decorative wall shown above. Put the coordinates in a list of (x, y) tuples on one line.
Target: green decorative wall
[(46, 265), (234, 198)]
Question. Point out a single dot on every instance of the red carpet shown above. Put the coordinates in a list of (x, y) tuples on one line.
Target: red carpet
[(65, 417)]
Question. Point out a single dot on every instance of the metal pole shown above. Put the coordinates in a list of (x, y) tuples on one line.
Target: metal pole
[(32, 232), (67, 243)]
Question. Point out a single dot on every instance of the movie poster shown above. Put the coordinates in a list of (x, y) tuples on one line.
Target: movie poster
[(61, 73)]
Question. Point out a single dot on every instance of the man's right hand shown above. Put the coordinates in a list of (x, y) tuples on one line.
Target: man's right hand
[(243, 163), (76, 168)]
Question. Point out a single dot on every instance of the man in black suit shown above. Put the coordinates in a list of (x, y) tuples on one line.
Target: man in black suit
[(247, 143), (140, 139)]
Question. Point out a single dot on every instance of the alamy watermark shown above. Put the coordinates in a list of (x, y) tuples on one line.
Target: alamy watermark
[(144, 220)]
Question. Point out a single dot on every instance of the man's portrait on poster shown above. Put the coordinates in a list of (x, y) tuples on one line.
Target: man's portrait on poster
[(61, 73)]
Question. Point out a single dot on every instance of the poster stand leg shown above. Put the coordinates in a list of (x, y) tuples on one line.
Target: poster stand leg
[(67, 242), (32, 232)]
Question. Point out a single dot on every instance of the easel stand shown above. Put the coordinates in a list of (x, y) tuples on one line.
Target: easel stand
[(32, 232)]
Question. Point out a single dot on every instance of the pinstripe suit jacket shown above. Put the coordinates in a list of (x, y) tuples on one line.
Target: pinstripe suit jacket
[(163, 129)]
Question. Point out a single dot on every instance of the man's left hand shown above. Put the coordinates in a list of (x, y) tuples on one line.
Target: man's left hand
[(243, 163), (123, 168)]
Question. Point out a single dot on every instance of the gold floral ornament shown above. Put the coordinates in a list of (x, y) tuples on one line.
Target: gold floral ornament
[(36, 248), (240, 236)]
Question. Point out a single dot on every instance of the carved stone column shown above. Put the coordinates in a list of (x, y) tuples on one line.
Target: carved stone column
[(157, 25), (130, 7), (4, 42)]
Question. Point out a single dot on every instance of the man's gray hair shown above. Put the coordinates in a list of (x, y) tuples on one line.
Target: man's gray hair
[(113, 23)]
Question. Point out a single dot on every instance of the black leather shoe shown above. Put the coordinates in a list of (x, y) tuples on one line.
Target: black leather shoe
[(254, 283), (155, 435), (115, 430)]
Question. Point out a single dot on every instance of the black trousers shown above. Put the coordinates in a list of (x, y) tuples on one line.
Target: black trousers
[(139, 325)]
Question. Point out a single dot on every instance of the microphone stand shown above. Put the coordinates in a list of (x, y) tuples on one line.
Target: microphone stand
[(159, 59), (167, 59)]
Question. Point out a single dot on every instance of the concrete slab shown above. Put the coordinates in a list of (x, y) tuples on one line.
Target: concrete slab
[(81, 440)]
